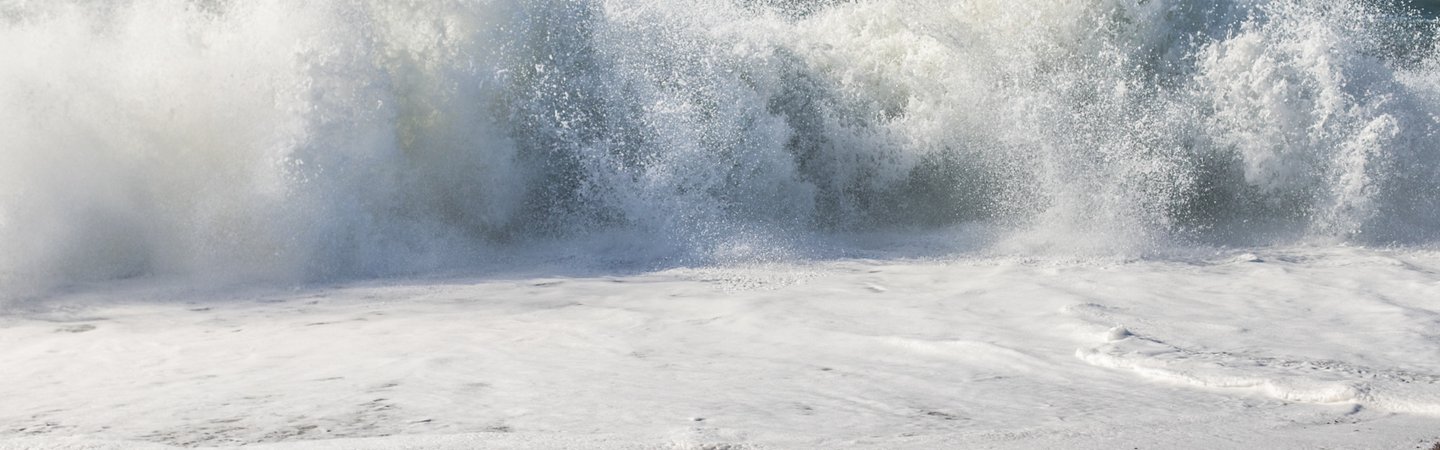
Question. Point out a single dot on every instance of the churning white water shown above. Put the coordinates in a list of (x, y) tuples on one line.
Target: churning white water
[(276, 138)]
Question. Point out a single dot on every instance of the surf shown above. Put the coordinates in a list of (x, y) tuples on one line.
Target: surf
[(268, 140)]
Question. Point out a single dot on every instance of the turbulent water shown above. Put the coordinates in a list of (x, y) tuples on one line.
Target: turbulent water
[(280, 138)]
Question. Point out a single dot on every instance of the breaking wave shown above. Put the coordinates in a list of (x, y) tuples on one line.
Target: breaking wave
[(273, 138)]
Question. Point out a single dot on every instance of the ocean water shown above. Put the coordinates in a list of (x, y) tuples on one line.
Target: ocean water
[(275, 139)]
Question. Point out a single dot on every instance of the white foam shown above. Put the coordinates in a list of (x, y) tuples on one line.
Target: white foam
[(961, 354)]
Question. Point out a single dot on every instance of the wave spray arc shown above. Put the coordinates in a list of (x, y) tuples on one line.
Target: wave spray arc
[(267, 138)]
